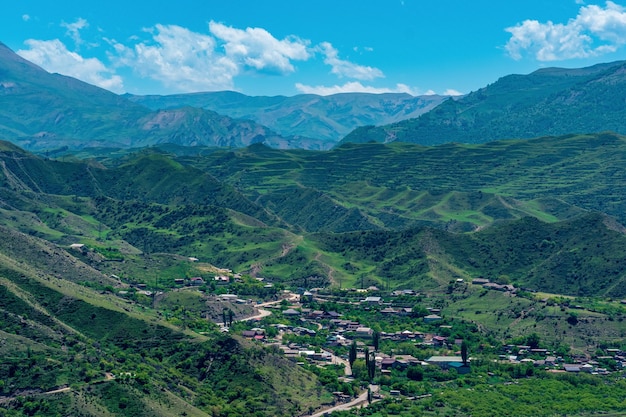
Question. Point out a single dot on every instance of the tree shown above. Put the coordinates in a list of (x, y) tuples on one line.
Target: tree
[(572, 319), (376, 340), (533, 340), (415, 373), (464, 353), (352, 353), (371, 367), (230, 317)]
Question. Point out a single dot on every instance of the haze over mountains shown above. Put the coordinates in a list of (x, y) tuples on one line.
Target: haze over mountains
[(39, 110), (329, 118), (42, 111)]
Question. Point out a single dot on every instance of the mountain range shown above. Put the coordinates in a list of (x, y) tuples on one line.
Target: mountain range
[(547, 102), (50, 112), (329, 118), (262, 209), (43, 111), (116, 194)]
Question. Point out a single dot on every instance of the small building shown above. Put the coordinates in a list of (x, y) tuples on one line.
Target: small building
[(291, 312), (228, 297), (449, 362), (222, 279), (373, 300), (432, 318), (197, 281), (363, 332)]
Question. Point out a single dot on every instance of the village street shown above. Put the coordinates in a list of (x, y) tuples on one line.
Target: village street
[(361, 400)]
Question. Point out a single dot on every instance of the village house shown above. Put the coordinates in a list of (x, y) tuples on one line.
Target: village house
[(222, 279), (197, 281), (439, 340), (346, 325), (256, 334), (228, 297), (291, 312), (432, 318), (372, 300), (363, 332), (449, 362)]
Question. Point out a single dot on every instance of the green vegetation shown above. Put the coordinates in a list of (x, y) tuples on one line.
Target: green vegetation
[(550, 101), (96, 296)]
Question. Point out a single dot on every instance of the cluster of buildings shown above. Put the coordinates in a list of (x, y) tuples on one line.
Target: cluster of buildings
[(579, 363)]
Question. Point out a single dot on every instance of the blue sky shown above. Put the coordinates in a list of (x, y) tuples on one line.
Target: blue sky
[(277, 47)]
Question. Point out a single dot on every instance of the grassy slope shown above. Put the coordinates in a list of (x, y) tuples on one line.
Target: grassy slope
[(306, 189), (460, 186), (57, 320)]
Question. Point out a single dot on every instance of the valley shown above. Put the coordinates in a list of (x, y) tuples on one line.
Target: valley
[(98, 280), (161, 256)]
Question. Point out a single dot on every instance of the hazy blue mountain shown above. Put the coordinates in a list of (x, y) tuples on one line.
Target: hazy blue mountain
[(329, 118), (40, 111), (550, 101)]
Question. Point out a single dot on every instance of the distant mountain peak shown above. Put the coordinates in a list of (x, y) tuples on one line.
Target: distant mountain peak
[(547, 102)]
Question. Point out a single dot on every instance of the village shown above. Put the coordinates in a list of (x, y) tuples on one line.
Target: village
[(319, 327), (367, 339)]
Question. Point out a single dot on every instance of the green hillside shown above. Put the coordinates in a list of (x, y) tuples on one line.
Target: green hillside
[(550, 101), (273, 212), (459, 187), (114, 358), (81, 237)]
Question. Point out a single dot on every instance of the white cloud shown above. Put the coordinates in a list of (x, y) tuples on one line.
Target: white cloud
[(594, 31), (347, 69), (25, 17), (188, 61), (179, 58), (353, 87), (452, 92), (256, 48), (357, 87), (53, 56), (73, 30)]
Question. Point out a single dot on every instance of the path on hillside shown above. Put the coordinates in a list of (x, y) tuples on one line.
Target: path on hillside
[(523, 315), (336, 360), (262, 312), (107, 377), (358, 401), (328, 267)]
